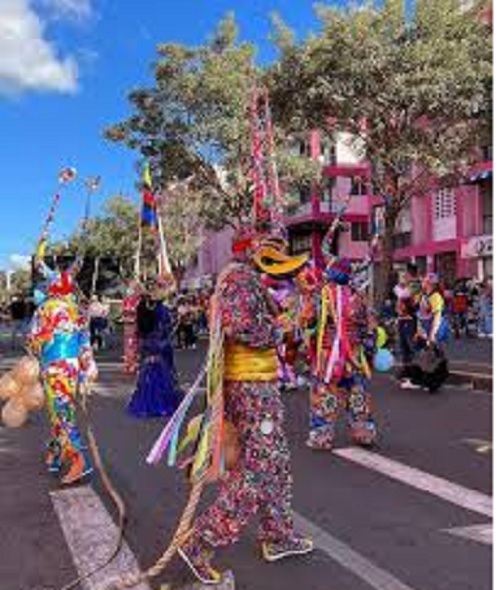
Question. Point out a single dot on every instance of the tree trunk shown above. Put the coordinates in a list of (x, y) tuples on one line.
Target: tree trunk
[(384, 285)]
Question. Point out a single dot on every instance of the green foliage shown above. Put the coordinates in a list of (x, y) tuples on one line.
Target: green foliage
[(416, 89), (113, 233), (194, 122)]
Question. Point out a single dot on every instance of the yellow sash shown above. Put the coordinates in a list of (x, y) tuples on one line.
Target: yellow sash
[(242, 363)]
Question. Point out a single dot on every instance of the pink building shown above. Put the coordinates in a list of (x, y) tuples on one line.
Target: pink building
[(450, 230), (345, 173)]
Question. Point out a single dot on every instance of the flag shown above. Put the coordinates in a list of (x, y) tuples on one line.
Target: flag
[(67, 175), (149, 217), (146, 177), (149, 214)]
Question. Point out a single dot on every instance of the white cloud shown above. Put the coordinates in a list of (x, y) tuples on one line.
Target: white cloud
[(72, 9), (28, 61)]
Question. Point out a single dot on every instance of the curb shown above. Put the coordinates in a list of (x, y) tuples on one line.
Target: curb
[(480, 381)]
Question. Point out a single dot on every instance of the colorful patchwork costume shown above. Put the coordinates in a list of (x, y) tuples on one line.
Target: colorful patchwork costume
[(59, 338), (130, 336), (345, 346), (260, 481)]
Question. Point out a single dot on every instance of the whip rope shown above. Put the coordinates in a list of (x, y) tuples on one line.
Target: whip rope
[(208, 469), (112, 493)]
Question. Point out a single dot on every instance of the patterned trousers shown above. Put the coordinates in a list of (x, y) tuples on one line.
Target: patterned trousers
[(130, 348), (261, 481), (60, 381), (327, 402)]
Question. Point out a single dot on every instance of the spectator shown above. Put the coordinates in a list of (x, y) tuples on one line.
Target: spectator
[(486, 309), (19, 317), (98, 316), (408, 294), (460, 309)]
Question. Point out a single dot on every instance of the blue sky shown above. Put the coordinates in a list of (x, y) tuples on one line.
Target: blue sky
[(65, 69)]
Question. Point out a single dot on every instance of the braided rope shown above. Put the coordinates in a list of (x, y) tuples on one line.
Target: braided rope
[(209, 469)]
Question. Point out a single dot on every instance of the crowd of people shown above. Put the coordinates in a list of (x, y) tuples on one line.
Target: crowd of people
[(422, 313), (270, 319)]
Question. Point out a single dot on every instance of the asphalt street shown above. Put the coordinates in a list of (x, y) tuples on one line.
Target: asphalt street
[(397, 531)]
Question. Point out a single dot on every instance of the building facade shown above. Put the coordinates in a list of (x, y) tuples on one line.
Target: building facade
[(450, 230)]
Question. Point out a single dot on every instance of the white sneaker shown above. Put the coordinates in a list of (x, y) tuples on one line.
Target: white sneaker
[(408, 384)]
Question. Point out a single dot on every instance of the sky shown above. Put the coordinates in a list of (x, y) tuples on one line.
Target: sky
[(66, 67)]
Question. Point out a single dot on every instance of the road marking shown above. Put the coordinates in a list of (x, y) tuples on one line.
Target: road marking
[(351, 560), (91, 535), (442, 488), (480, 445), (482, 533)]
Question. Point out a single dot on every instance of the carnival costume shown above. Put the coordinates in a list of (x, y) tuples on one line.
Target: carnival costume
[(130, 340), (346, 343), (239, 439), (260, 481), (345, 347), (59, 338), (157, 392)]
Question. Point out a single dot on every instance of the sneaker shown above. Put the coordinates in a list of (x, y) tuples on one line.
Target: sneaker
[(317, 445), (78, 469), (294, 546), (408, 384), (367, 440), (200, 566)]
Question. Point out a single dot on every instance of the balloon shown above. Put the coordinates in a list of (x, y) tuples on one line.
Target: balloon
[(14, 413), (383, 361), (381, 337), (9, 387), (27, 370), (33, 397)]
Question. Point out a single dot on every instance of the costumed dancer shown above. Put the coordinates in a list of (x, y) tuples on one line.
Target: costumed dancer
[(240, 437), (59, 338), (130, 338), (157, 392), (260, 480), (346, 335)]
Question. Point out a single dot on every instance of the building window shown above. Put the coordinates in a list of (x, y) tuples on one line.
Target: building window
[(300, 243), (359, 187), (329, 186), (445, 204), (328, 153), (305, 148), (487, 153), (401, 240), (487, 195), (359, 231), (304, 195)]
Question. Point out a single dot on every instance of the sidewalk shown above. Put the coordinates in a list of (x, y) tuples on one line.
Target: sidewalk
[(471, 363)]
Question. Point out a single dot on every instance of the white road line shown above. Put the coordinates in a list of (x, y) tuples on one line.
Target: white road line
[(437, 486), (91, 534), (351, 560), (482, 533)]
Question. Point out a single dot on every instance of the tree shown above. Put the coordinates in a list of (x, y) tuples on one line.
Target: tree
[(414, 90), (180, 208), (194, 123), (113, 233)]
